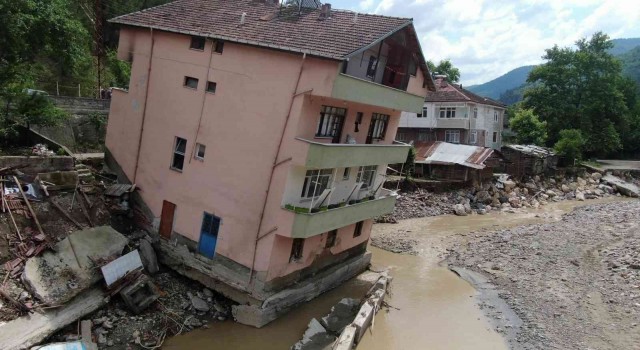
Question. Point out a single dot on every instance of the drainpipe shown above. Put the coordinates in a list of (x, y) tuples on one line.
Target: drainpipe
[(144, 108), (204, 98), (273, 169)]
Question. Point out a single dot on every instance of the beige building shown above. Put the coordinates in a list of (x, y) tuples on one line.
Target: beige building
[(259, 136)]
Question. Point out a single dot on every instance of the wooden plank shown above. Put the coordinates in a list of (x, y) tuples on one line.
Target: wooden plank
[(66, 215), (84, 210), (44, 187), (26, 200), (86, 198), (13, 220)]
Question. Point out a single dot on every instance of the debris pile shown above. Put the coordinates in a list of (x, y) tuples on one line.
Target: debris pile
[(506, 195)]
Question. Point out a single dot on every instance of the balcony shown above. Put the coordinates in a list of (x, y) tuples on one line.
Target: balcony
[(366, 92), (315, 155), (307, 224), (453, 123)]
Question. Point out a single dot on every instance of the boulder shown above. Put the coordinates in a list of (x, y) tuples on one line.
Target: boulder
[(148, 257), (483, 197), (199, 304), (509, 185), (515, 202), (580, 196), (565, 188), (596, 176), (459, 210)]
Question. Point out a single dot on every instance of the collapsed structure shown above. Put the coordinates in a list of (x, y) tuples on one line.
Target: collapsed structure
[(258, 136)]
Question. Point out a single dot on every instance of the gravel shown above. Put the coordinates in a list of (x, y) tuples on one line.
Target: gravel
[(574, 283)]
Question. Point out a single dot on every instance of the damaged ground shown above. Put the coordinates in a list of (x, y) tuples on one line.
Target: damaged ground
[(34, 227), (574, 283)]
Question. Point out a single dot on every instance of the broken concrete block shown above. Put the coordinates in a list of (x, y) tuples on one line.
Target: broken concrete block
[(55, 277), (148, 255), (61, 180), (140, 294), (347, 339), (341, 315), (314, 338)]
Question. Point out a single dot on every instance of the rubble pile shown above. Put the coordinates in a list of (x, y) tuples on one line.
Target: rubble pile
[(502, 194)]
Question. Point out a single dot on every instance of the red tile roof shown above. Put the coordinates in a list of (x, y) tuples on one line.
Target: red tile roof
[(447, 92), (269, 25)]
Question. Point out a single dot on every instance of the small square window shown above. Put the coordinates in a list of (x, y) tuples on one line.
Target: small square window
[(200, 148), (358, 231), (190, 82), (197, 43), (346, 173), (211, 87), (331, 239), (218, 46)]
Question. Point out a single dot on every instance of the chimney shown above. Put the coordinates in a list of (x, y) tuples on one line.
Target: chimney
[(325, 11), (243, 18)]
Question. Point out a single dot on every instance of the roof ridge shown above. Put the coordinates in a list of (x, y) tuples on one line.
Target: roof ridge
[(144, 10)]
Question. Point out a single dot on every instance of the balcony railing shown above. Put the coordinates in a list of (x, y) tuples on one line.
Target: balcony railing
[(310, 223), (315, 155)]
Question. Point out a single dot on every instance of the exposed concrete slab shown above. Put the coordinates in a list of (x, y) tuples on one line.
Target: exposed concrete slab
[(283, 301), (55, 277), (626, 188), (341, 315), (27, 331), (315, 338), (347, 339)]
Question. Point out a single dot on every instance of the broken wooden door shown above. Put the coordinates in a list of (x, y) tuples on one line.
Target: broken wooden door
[(166, 219)]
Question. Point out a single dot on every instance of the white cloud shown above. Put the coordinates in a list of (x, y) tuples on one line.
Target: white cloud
[(486, 39)]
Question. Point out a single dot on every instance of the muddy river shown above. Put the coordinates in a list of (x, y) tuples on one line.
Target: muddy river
[(432, 308)]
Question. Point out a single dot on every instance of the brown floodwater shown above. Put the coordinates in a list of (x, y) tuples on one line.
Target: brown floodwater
[(431, 307)]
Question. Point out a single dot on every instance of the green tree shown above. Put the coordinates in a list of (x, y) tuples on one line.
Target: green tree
[(445, 67), (528, 127), (571, 144), (410, 164), (582, 89)]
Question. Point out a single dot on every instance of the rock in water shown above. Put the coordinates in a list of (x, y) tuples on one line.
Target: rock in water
[(199, 304)]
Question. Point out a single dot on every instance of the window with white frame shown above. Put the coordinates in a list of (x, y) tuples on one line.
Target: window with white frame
[(475, 112), (495, 136), (200, 149), (315, 182), (367, 175), (331, 121), (447, 112), (423, 136), (473, 137), (452, 136), (401, 136), (495, 116), (179, 149), (379, 125), (346, 173), (425, 113)]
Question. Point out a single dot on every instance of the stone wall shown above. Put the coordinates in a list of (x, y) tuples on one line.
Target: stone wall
[(35, 164)]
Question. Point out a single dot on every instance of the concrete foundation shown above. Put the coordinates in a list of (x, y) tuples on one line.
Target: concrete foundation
[(36, 164)]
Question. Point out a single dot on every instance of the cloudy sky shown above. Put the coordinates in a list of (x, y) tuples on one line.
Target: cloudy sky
[(487, 38)]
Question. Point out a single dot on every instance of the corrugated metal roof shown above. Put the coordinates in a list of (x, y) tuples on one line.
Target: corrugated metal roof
[(533, 150), (449, 153)]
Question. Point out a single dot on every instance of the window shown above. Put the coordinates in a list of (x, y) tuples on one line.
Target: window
[(200, 148), (475, 113), (197, 43), (346, 173), (495, 117), (330, 123), (331, 239), (315, 182), (495, 136), (177, 163), (191, 83), (452, 136), (473, 137), (424, 113), (296, 249), (218, 46), (401, 136), (211, 87), (367, 175), (423, 136), (379, 126), (358, 231), (358, 121), (371, 68), (447, 112)]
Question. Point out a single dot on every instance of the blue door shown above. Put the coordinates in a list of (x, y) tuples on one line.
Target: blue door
[(209, 235)]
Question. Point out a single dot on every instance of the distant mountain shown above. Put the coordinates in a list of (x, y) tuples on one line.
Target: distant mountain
[(510, 87), (496, 87)]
